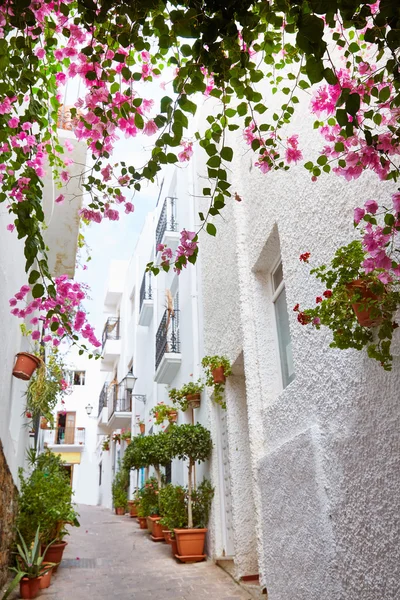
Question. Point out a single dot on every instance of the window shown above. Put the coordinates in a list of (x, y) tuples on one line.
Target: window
[(100, 472), (75, 377), (282, 325)]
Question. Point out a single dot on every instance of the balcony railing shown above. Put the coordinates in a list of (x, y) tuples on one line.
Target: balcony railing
[(111, 330), (167, 337), (103, 398), (145, 289), (167, 220), (65, 436), (119, 400)]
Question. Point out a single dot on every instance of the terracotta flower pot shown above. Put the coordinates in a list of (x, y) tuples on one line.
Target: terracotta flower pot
[(150, 522), (174, 547), (46, 578), (25, 365), (119, 510), (54, 554), (363, 309), (157, 533), (218, 375), (132, 508), (29, 588), (43, 423), (128, 441), (193, 400), (167, 535), (173, 417), (191, 544), (142, 522), (142, 428)]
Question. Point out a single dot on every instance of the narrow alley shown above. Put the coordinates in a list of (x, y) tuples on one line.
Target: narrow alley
[(110, 557)]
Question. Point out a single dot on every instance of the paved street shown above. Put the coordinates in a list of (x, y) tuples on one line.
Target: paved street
[(110, 557)]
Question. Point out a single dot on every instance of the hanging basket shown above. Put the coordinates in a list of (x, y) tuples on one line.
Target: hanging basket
[(219, 375), (142, 428), (363, 309), (173, 417), (193, 400), (25, 365), (43, 423)]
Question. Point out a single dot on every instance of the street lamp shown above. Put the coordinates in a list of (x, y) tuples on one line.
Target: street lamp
[(89, 409), (130, 381)]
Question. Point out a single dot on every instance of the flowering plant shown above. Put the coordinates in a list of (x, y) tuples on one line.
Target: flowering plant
[(106, 444), (126, 434), (179, 397), (162, 412), (209, 364), (116, 437), (46, 387), (353, 302)]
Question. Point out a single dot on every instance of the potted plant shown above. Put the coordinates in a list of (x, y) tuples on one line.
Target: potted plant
[(141, 425), (352, 302), (188, 395), (126, 436), (193, 443), (162, 412), (46, 388), (119, 490), (30, 568), (148, 506), (46, 500), (173, 510), (116, 437), (106, 444), (217, 369), (25, 365)]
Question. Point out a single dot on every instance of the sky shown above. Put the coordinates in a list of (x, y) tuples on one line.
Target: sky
[(116, 240)]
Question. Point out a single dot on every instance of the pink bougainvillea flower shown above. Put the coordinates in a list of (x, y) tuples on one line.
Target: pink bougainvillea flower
[(371, 206), (358, 215), (10, 227), (60, 199)]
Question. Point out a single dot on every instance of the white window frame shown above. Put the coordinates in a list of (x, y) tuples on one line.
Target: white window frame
[(275, 295)]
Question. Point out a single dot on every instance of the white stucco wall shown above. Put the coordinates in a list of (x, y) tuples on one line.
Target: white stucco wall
[(323, 453)]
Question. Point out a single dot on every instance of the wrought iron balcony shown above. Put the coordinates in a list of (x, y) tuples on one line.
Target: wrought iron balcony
[(119, 400), (111, 330), (64, 436), (145, 289), (167, 337), (167, 220)]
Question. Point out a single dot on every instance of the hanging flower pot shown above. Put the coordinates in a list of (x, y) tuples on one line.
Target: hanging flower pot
[(173, 417), (219, 375), (364, 309), (25, 365), (29, 588), (193, 400), (43, 423), (142, 427)]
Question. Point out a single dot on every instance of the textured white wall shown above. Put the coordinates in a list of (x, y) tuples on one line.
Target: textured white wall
[(323, 453)]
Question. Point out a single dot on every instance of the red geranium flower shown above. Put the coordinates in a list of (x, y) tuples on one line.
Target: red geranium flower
[(318, 299), (327, 293), (303, 318), (296, 308), (304, 257)]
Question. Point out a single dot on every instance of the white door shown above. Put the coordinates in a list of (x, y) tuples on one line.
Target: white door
[(225, 485)]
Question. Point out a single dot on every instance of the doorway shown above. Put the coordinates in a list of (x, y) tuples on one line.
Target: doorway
[(65, 432)]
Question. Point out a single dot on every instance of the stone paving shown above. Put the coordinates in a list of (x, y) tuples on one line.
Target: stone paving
[(110, 557)]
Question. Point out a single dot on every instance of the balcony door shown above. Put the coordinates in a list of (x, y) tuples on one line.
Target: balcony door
[(65, 433)]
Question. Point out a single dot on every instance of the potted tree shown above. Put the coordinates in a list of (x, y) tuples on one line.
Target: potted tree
[(135, 457), (217, 369), (30, 568), (173, 510), (119, 490), (148, 505), (192, 443), (46, 500), (159, 453)]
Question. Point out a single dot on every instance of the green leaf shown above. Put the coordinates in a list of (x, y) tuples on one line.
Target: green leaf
[(384, 94), (214, 162), (227, 153), (353, 104), (38, 290), (33, 276), (211, 229)]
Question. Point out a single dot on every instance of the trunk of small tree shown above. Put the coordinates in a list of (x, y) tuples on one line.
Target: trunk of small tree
[(190, 515), (158, 473), (137, 479)]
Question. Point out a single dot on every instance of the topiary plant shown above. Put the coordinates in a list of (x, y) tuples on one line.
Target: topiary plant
[(191, 442)]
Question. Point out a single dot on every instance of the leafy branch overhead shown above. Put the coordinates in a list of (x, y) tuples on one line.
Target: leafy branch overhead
[(255, 58)]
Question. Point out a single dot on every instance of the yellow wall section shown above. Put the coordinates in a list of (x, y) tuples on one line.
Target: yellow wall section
[(72, 458)]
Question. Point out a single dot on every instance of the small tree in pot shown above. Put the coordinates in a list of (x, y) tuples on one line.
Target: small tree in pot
[(120, 490), (193, 443), (159, 452)]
